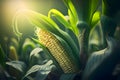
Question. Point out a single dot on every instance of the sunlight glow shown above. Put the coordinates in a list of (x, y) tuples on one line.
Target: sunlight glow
[(9, 8)]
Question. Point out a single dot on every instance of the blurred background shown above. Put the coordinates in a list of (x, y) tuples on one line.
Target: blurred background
[(8, 8)]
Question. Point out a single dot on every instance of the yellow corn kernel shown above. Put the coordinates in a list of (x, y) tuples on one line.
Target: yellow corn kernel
[(57, 51)]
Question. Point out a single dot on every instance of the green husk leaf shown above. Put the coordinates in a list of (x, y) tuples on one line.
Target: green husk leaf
[(60, 17), (37, 19), (48, 24), (74, 37), (74, 57)]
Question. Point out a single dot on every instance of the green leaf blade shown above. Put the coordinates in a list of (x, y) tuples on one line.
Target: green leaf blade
[(18, 65), (2, 56), (44, 70), (101, 60)]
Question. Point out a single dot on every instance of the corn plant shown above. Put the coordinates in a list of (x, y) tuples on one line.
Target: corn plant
[(15, 65), (81, 44)]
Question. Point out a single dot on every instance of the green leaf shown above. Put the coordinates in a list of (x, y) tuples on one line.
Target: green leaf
[(73, 23), (37, 56), (95, 18), (73, 56), (35, 52), (60, 17), (15, 25), (36, 19), (18, 65), (70, 76), (27, 47), (101, 63), (74, 37), (2, 57), (72, 9), (73, 15), (85, 9), (96, 39), (27, 43), (43, 70), (94, 4)]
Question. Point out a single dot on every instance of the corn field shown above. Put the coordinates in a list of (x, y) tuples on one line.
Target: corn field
[(60, 40)]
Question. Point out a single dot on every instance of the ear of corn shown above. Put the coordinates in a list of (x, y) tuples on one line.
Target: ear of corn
[(58, 51), (48, 24), (13, 53)]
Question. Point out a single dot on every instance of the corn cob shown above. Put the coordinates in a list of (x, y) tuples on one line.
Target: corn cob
[(13, 53), (57, 51)]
